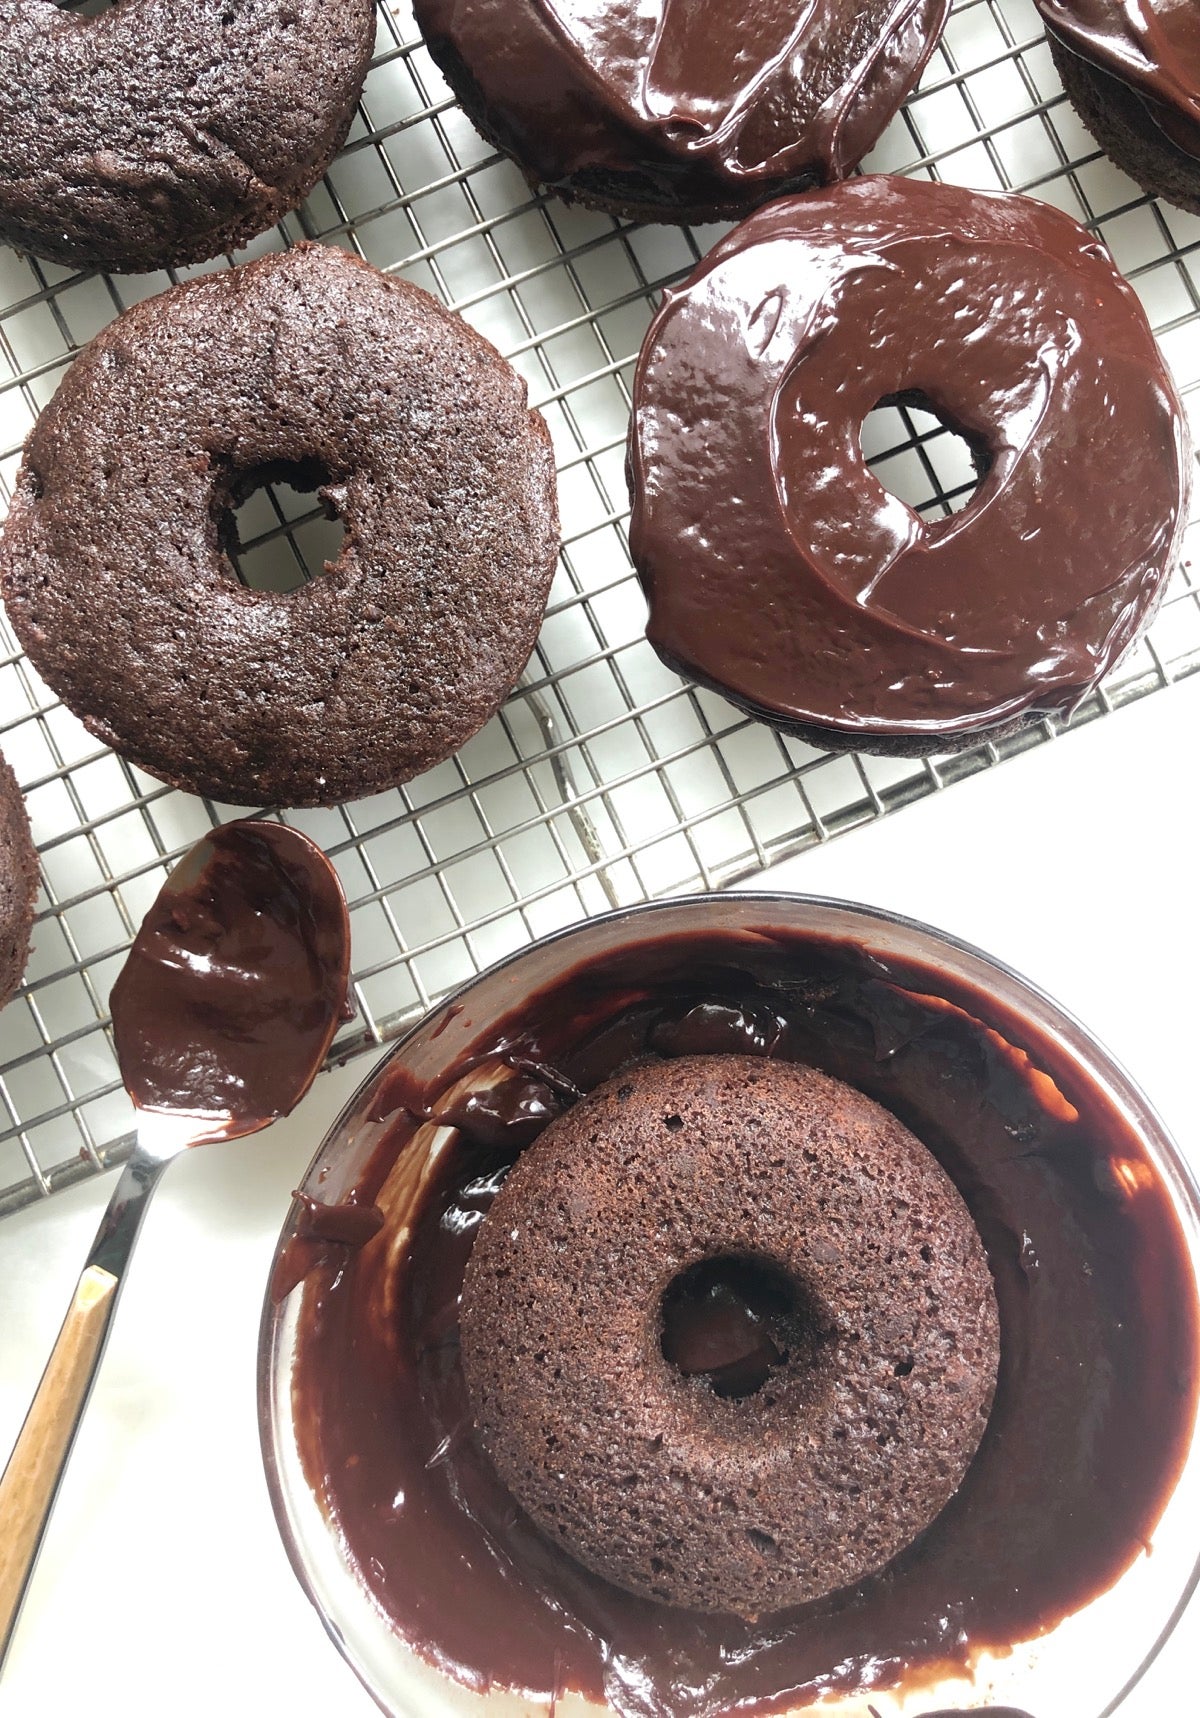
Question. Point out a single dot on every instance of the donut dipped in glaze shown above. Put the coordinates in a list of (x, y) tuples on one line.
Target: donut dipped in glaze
[(309, 367), (1132, 71), (167, 131), (729, 1333), (681, 110), (780, 571)]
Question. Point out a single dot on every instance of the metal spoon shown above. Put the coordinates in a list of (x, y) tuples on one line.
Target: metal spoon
[(222, 1015)]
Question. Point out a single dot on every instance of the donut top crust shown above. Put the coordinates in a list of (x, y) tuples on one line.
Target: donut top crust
[(1151, 45), (777, 566), (748, 95), (168, 130), (18, 883), (113, 562)]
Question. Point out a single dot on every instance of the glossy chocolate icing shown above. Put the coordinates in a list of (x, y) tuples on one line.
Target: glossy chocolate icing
[(1151, 45), (781, 572), (712, 102), (235, 982), (1098, 1310)]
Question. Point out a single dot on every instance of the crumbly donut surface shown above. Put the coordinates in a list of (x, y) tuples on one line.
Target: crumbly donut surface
[(857, 1439)]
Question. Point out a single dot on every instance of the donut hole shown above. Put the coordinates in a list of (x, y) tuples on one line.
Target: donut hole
[(85, 8), (732, 1322), (922, 456), (274, 536)]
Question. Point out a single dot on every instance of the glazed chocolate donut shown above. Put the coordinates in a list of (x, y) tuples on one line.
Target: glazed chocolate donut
[(681, 110), (18, 883), (312, 366), (729, 1333), (778, 569), (1132, 71), (166, 131)]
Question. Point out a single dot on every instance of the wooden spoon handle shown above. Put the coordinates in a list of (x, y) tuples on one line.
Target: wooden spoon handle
[(31, 1477)]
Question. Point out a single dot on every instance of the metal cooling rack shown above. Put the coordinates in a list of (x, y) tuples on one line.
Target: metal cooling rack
[(604, 780)]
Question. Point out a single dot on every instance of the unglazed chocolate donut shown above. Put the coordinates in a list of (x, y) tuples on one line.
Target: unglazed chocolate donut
[(18, 883), (778, 568), (729, 1334), (166, 131), (681, 110), (1132, 70), (311, 366)]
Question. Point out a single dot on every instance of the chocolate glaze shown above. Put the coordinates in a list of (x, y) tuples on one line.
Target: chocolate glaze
[(236, 981), (778, 568), (347, 1224), (711, 103), (1099, 1329), (320, 1235), (518, 1111), (1151, 45), (306, 366)]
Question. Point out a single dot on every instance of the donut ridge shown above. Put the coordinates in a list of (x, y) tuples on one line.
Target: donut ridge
[(1131, 69)]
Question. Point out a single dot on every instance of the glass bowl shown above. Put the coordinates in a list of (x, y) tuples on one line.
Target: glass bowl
[(1082, 1668)]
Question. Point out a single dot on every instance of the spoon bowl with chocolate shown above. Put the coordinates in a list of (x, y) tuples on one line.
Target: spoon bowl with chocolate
[(749, 1304), (222, 1015)]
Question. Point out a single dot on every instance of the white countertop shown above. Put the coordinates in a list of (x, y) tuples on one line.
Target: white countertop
[(163, 1587)]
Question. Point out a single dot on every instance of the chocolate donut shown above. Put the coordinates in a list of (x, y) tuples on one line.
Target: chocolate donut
[(1132, 71), (681, 110), (729, 1334), (314, 366), (166, 131), (18, 883), (778, 569)]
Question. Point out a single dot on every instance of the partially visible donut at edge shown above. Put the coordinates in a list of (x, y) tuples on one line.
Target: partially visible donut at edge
[(114, 561), (18, 884), (681, 110), (779, 569), (168, 131)]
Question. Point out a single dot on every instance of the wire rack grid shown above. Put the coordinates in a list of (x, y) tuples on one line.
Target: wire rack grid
[(604, 780)]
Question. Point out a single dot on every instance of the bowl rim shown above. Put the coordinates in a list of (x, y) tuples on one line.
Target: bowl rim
[(1183, 1179)]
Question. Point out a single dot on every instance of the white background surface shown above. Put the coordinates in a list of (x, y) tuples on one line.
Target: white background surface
[(163, 1587)]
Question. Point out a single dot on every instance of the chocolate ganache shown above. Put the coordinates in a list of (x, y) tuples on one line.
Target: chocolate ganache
[(682, 109), (778, 568), (1151, 45), (229, 995), (1096, 1294)]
